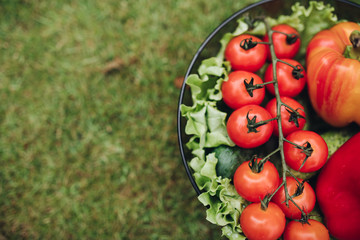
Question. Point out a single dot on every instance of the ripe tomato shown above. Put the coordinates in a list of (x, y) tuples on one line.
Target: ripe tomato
[(313, 143), (252, 185), (240, 59), (285, 46), (315, 230), (244, 129), (236, 92), (290, 120), (259, 224), (333, 79), (305, 199), (290, 81)]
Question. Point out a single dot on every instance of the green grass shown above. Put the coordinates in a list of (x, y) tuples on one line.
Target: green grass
[(85, 155)]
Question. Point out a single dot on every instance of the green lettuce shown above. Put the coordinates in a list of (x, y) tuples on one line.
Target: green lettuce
[(219, 195)]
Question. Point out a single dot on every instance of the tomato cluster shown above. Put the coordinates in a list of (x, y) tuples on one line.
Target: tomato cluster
[(252, 122)]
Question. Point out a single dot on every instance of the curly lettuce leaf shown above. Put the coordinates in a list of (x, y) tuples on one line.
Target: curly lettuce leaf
[(218, 194), (205, 86), (228, 232), (207, 125)]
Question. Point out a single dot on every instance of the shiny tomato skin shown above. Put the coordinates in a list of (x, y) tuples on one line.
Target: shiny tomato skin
[(234, 90), (253, 186), (281, 47), (258, 224), (294, 157), (315, 230), (334, 80), (238, 130), (288, 85), (287, 125), (306, 200), (240, 59)]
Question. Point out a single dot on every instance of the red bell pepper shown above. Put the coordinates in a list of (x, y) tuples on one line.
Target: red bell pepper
[(338, 191)]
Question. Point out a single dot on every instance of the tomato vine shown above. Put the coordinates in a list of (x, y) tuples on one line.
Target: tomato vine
[(247, 44)]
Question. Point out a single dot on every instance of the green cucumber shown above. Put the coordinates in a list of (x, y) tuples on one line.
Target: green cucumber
[(229, 158)]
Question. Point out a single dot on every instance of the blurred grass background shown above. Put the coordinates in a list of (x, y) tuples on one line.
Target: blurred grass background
[(88, 154)]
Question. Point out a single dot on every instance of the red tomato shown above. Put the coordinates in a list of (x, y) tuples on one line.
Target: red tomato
[(290, 120), (305, 199), (240, 59), (242, 126), (259, 224), (235, 92), (334, 80), (315, 230), (294, 156), (285, 46), (252, 185), (288, 84)]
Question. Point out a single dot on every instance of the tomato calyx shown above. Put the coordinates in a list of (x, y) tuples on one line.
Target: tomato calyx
[(248, 43), (265, 202), (291, 38), (294, 115), (255, 165), (353, 51), (297, 72), (250, 86), (299, 190), (252, 125), (307, 150), (304, 219)]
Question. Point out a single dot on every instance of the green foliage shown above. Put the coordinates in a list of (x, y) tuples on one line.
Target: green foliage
[(88, 155)]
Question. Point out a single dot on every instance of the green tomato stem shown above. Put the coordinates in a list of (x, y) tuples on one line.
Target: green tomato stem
[(285, 169), (267, 157)]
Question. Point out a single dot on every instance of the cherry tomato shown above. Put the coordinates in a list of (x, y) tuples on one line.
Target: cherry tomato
[(292, 118), (252, 183), (305, 199), (285, 45), (291, 81), (237, 90), (259, 224), (244, 128), (315, 230), (315, 151), (245, 59)]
